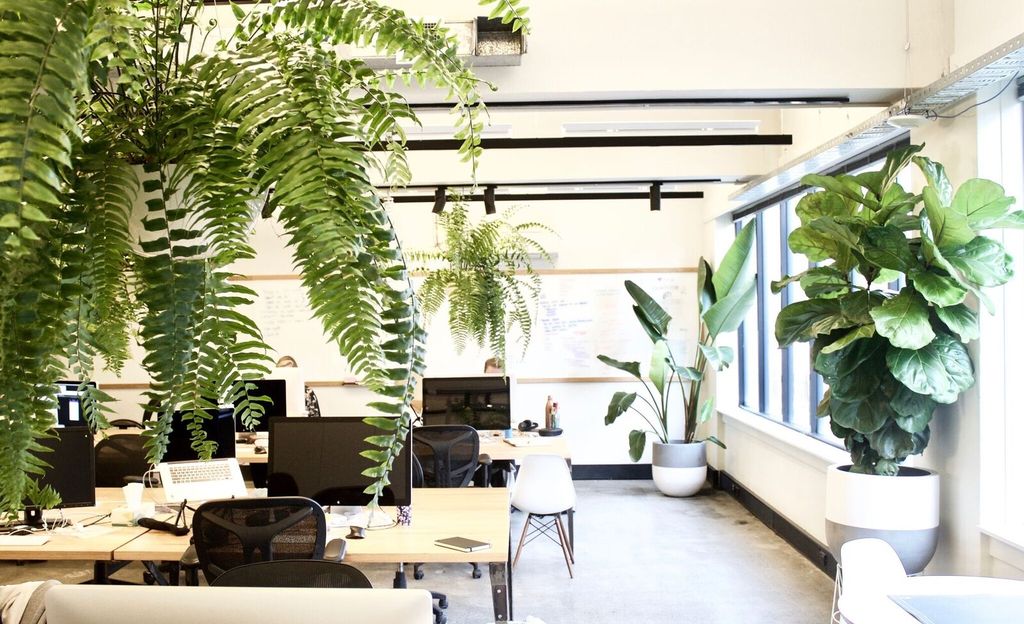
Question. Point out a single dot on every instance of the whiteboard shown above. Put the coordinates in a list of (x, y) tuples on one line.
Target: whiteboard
[(579, 315)]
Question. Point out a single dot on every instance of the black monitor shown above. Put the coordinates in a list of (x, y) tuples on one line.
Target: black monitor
[(69, 412), (483, 402), (276, 391), (220, 428), (72, 470), (320, 458)]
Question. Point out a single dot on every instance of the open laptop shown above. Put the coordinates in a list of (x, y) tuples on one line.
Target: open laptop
[(202, 480)]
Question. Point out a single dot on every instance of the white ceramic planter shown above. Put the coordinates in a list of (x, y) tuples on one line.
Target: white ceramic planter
[(679, 469), (902, 510)]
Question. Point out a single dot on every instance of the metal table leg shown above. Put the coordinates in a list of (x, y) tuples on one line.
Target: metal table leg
[(501, 591)]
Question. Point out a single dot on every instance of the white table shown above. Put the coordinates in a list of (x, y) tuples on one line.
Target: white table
[(878, 608)]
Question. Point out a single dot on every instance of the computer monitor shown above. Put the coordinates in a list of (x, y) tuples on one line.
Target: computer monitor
[(320, 458), (69, 412), (276, 391), (295, 390), (483, 402), (72, 470), (220, 428)]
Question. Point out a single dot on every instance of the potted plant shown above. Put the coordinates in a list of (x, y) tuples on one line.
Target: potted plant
[(679, 464), (484, 271), (888, 318), (268, 114)]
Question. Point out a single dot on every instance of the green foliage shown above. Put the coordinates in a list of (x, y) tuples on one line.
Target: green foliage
[(890, 357), (100, 95), (509, 12), (723, 300), (484, 272)]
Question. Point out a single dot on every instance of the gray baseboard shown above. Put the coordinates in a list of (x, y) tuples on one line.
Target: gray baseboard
[(603, 472)]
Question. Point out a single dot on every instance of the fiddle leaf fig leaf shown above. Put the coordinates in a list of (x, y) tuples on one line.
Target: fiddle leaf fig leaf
[(904, 320), (982, 261), (821, 204), (981, 202), (864, 331), (936, 176), (824, 282), (938, 289), (888, 247), (961, 320), (949, 228), (941, 370), (806, 320)]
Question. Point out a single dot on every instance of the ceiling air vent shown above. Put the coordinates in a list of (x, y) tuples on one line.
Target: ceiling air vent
[(482, 42)]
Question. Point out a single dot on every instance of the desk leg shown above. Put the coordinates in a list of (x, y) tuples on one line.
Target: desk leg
[(501, 591)]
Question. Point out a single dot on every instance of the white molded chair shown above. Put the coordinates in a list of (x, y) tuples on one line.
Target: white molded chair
[(544, 491), (871, 570)]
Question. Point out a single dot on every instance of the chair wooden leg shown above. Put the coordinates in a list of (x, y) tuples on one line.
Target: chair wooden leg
[(563, 541), (522, 539)]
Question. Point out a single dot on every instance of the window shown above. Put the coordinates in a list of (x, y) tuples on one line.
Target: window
[(780, 384), (1000, 364)]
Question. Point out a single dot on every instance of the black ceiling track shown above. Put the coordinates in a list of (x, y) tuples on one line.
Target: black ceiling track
[(630, 182), (682, 140), (426, 199), (666, 101)]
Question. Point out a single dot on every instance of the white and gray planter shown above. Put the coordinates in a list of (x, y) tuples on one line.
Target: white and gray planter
[(679, 469), (901, 510)]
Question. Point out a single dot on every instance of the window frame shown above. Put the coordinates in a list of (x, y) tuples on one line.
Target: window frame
[(816, 388)]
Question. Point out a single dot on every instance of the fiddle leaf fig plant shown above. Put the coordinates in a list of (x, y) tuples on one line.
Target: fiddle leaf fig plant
[(112, 104), (723, 299), (887, 308)]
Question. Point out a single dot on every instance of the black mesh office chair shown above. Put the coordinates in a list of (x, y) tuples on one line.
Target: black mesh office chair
[(294, 573), (446, 456), (121, 459), (233, 532)]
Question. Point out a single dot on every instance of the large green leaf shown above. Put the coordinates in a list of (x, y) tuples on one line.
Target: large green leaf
[(660, 368), (982, 202), (637, 444), (806, 320), (935, 175), (821, 204), (939, 290), (983, 261), (941, 370), (705, 288), (736, 271), (950, 229), (961, 320), (824, 282), (621, 401), (633, 368), (904, 320), (888, 247), (864, 331), (719, 357), (728, 312), (652, 316)]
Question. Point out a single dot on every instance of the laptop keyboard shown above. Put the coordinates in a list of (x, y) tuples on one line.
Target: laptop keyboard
[(199, 472)]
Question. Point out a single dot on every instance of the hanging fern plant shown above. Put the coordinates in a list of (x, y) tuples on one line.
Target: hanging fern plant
[(110, 102), (484, 271)]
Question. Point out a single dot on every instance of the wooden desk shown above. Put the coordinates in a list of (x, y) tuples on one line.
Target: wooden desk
[(499, 450), (476, 513), (246, 454)]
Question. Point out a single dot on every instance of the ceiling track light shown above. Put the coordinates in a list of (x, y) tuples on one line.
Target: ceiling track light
[(440, 197), (489, 206), (655, 196)]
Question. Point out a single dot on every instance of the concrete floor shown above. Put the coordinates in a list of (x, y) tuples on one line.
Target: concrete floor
[(640, 557)]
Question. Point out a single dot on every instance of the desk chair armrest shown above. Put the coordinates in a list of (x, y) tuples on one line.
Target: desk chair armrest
[(485, 459), (189, 558), (335, 550)]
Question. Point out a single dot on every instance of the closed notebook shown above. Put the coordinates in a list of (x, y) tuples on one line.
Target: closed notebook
[(463, 544)]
